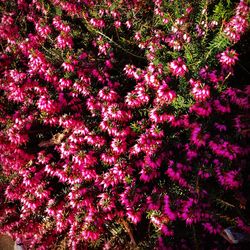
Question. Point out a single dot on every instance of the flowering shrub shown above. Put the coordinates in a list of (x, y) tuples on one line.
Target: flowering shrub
[(119, 113)]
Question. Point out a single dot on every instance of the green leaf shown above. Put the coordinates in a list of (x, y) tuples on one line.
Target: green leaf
[(219, 11), (128, 179), (58, 11)]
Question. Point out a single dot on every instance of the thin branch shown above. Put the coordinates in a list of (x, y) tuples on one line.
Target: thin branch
[(127, 228), (243, 68), (225, 203), (51, 53), (196, 243), (229, 74), (88, 26), (119, 46)]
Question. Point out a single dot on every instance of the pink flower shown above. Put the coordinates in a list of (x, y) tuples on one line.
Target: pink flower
[(156, 115), (225, 149), (106, 202), (137, 36), (114, 112), (68, 67), (64, 83), (43, 31), (90, 235), (118, 145), (137, 97), (167, 210), (109, 158), (153, 202), (199, 90), (197, 137), (201, 108), (134, 217), (178, 67), (228, 58), (64, 41), (218, 106), (165, 95), (128, 24), (104, 48), (228, 179), (210, 228), (97, 23), (58, 24), (220, 127), (47, 105), (148, 174), (107, 94), (117, 24), (82, 87), (238, 23)]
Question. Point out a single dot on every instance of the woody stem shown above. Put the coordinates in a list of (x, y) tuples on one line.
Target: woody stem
[(127, 227)]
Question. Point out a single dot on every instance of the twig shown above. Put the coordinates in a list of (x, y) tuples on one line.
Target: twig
[(196, 243), (118, 45), (229, 74), (111, 40), (126, 225), (210, 51), (244, 68), (225, 203), (55, 140), (52, 53)]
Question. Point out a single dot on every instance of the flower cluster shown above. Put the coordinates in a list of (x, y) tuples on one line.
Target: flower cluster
[(118, 114)]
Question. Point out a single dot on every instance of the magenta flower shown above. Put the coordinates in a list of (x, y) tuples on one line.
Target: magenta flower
[(178, 67), (197, 137), (238, 23), (165, 95), (64, 41), (228, 58), (200, 91)]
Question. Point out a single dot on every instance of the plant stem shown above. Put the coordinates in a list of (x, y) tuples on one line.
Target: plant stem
[(127, 227), (119, 46), (91, 29), (196, 243)]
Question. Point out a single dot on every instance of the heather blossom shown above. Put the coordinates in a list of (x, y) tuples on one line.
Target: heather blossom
[(107, 94), (238, 23), (118, 145), (47, 105), (201, 108), (199, 90), (64, 41), (178, 67), (197, 137), (137, 97), (159, 116), (43, 30), (228, 58), (60, 25), (165, 95), (64, 83)]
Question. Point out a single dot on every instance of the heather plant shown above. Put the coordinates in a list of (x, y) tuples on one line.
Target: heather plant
[(119, 126)]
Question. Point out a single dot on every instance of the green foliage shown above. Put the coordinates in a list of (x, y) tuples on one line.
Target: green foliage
[(181, 103), (4, 179), (219, 12), (219, 43)]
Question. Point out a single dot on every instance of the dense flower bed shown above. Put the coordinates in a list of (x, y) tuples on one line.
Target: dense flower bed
[(119, 113)]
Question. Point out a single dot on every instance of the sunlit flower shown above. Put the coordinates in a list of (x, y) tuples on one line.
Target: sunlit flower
[(228, 58), (178, 67)]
